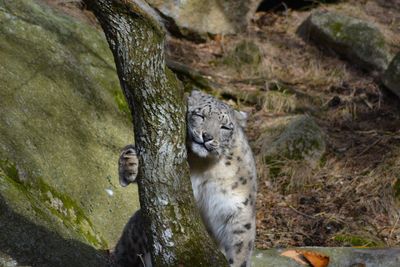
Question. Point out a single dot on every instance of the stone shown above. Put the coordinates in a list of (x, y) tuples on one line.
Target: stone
[(358, 41), (27, 243), (198, 18), (393, 4), (290, 139), (338, 257), (391, 77), (63, 121)]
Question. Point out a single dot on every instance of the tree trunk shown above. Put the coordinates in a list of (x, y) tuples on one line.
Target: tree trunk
[(155, 97)]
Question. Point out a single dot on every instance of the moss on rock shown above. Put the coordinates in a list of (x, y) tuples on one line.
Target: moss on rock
[(358, 41), (51, 206), (291, 139), (38, 228), (356, 241), (63, 122)]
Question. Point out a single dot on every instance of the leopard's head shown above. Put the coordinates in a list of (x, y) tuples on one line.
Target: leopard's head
[(212, 125)]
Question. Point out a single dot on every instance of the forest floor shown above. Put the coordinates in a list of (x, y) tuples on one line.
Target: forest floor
[(349, 200)]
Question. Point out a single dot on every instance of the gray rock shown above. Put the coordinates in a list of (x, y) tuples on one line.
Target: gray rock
[(391, 77), (393, 4), (63, 120), (25, 243), (358, 41), (197, 18), (338, 257), (291, 139)]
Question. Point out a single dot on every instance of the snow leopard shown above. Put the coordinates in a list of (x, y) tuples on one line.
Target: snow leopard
[(223, 177)]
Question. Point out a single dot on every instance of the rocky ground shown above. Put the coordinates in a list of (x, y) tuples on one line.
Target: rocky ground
[(342, 193)]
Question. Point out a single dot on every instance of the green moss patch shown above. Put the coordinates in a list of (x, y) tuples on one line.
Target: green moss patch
[(358, 41), (40, 194), (292, 144), (355, 241)]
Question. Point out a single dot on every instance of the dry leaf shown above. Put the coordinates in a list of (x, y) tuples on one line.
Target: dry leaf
[(309, 258), (316, 259), (295, 255), (218, 38)]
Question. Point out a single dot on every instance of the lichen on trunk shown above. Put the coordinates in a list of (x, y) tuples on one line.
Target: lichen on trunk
[(155, 97)]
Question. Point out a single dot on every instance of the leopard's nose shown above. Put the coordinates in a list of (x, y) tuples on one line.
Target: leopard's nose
[(207, 137)]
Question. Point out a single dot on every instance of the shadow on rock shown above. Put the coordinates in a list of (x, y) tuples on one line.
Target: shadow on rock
[(28, 244)]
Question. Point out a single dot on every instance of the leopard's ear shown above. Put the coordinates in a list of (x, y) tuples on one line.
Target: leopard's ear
[(196, 94), (241, 118), (194, 98)]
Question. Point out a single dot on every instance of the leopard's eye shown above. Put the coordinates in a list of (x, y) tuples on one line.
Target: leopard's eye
[(197, 118), (197, 115), (226, 128)]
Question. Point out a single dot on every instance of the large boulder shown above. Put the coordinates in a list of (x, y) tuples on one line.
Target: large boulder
[(391, 77), (358, 41), (63, 120), (197, 18)]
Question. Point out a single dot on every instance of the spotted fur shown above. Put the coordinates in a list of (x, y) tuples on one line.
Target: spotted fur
[(223, 177), (132, 248)]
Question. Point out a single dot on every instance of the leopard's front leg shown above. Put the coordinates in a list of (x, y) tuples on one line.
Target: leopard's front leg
[(128, 164)]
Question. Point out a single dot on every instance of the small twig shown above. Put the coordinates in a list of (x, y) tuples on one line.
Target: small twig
[(141, 259), (299, 212), (394, 227), (369, 132), (368, 104), (369, 147)]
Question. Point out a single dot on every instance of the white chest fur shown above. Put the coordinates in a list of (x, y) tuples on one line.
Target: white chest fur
[(221, 191)]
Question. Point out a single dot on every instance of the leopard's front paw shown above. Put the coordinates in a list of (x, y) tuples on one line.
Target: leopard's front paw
[(128, 164)]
